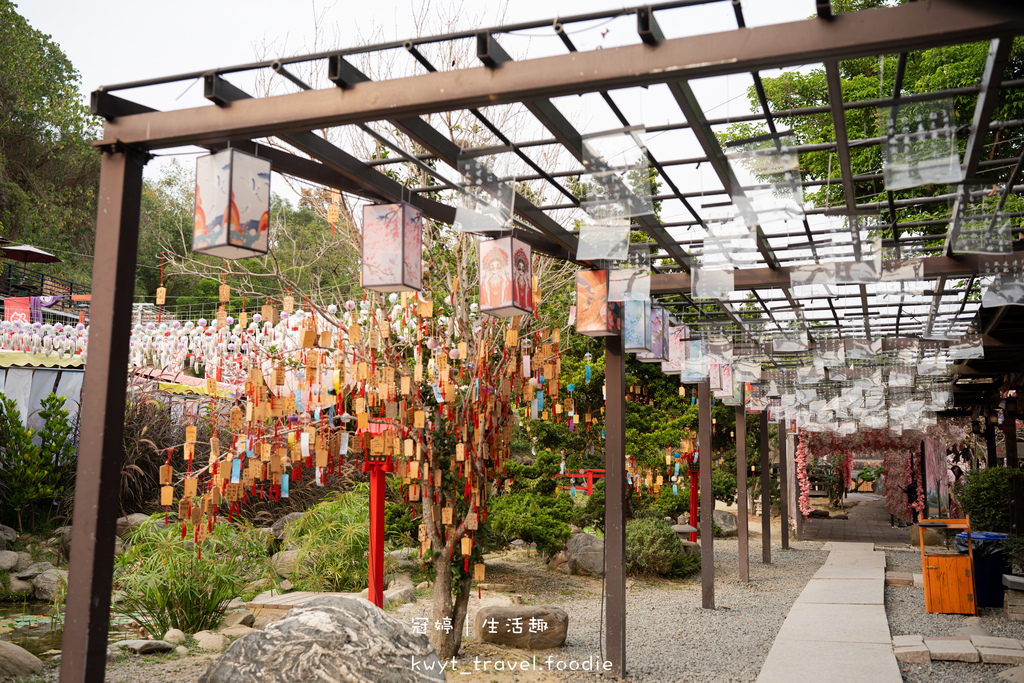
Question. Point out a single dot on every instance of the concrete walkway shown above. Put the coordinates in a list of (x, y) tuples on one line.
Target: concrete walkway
[(837, 628), (868, 522)]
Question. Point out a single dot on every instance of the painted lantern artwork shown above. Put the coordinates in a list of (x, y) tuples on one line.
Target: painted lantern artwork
[(506, 278), (232, 205), (637, 333), (659, 337), (595, 315), (392, 248)]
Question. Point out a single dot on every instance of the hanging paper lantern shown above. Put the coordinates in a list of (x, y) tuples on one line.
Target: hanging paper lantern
[(506, 278), (232, 205), (595, 315), (392, 248), (659, 337), (637, 333)]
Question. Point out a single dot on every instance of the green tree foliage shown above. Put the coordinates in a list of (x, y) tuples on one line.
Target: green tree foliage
[(533, 510), (49, 174), (984, 496)]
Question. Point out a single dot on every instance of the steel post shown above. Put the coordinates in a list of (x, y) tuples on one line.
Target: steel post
[(766, 488), (741, 491), (614, 513), (707, 498), (784, 484), (98, 477)]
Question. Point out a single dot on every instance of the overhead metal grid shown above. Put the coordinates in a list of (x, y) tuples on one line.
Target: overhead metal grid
[(920, 226)]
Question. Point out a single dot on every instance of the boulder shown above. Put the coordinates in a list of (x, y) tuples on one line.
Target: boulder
[(278, 528), (400, 595), (401, 579), (175, 636), (422, 585), (7, 534), (17, 661), (33, 570), (126, 524), (285, 562), (818, 514), (267, 618), (558, 559), (690, 547), (46, 586), (365, 595), (16, 585), (24, 561), (586, 555), (727, 522), (406, 558), (332, 638), (237, 631), (285, 586), (8, 560), (840, 515), (145, 647), (518, 544), (182, 651), (236, 618), (214, 642), (530, 627)]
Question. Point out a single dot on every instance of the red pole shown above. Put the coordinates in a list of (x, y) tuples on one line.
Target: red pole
[(376, 592), (693, 496)]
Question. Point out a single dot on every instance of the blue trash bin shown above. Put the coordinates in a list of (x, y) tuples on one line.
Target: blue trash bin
[(990, 562)]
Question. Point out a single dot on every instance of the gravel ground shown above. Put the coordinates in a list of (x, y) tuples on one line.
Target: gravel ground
[(904, 607), (669, 636)]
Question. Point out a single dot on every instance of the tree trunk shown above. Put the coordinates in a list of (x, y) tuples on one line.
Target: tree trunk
[(447, 643)]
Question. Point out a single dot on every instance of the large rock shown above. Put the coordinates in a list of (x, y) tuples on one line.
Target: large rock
[(46, 586), (400, 595), (214, 642), (332, 638), (7, 534), (144, 647), (8, 560), (33, 570), (235, 618), (530, 627), (558, 560), (64, 545), (126, 524), (278, 528), (818, 514), (401, 579), (175, 636), (24, 561), (16, 661), (286, 562), (727, 522), (586, 555), (16, 585)]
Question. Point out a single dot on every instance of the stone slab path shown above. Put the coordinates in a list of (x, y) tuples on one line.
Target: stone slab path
[(868, 521), (836, 629)]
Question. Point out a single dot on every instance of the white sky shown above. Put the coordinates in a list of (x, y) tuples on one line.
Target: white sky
[(115, 41)]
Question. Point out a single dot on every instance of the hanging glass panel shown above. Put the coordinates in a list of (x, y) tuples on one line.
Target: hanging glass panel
[(969, 346), (486, 203), (984, 226), (636, 328), (1007, 285), (608, 240), (618, 182), (632, 281), (920, 147)]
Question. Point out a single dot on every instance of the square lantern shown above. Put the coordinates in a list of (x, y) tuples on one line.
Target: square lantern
[(392, 248), (595, 315), (636, 328), (659, 337), (232, 205), (506, 278)]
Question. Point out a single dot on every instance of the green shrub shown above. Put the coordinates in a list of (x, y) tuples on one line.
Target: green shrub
[(333, 543), (985, 497), (169, 582), (723, 486), (684, 565), (592, 512), (533, 518), (651, 546), (1014, 549), (671, 505)]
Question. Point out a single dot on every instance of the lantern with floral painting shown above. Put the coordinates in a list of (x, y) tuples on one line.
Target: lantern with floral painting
[(636, 327), (506, 278), (392, 248), (595, 315), (232, 209), (659, 337)]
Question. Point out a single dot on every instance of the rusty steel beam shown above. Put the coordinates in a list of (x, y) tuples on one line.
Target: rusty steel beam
[(615, 510), (870, 32), (98, 474)]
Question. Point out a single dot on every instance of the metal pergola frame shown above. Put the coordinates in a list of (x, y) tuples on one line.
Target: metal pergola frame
[(132, 131)]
